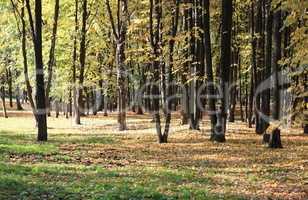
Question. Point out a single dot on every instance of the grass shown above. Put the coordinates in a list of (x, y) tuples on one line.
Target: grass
[(94, 161)]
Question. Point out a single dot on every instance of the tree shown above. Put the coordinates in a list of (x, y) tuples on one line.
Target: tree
[(39, 69), (74, 66), (266, 96), (2, 91), (275, 141), (51, 61), (119, 33), (158, 67), (225, 62), (82, 59), (209, 68)]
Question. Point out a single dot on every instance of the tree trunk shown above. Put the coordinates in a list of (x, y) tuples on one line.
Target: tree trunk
[(9, 82), (306, 116), (75, 88), (275, 141), (259, 64), (209, 68), (225, 62), (51, 61), (70, 103), (82, 59), (19, 107), (240, 87), (25, 63), (253, 69), (3, 102), (57, 107), (40, 88), (120, 37), (266, 97), (169, 76), (105, 105)]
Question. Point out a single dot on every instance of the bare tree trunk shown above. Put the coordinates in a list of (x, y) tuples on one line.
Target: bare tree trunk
[(259, 63), (75, 88), (240, 87), (120, 37), (82, 59), (9, 82), (3, 102), (70, 106), (209, 68), (266, 97), (19, 107), (275, 141), (306, 115), (40, 88), (225, 62), (57, 107), (51, 61), (25, 63), (253, 68), (169, 76)]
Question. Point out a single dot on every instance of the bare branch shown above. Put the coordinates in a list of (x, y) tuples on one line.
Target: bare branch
[(111, 20)]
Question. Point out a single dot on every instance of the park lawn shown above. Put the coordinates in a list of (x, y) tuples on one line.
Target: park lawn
[(94, 161)]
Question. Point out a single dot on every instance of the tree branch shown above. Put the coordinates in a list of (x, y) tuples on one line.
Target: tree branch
[(31, 21), (111, 20)]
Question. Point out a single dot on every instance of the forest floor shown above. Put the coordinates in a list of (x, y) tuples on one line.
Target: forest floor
[(95, 161)]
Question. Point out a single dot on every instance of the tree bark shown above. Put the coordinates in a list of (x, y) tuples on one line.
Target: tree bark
[(51, 61), (306, 115), (40, 88), (75, 88), (266, 97), (225, 62), (209, 68), (9, 82), (275, 141), (3, 101), (19, 107), (82, 59), (120, 37), (25, 63)]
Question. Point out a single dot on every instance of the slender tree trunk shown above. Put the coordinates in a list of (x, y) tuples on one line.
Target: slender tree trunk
[(120, 37), (19, 107), (209, 68), (57, 107), (275, 141), (169, 76), (75, 88), (253, 68), (70, 105), (306, 115), (82, 59), (40, 88), (185, 93), (25, 63), (9, 82), (246, 98), (259, 63), (240, 88), (105, 105), (225, 62), (155, 14), (266, 97), (3, 101), (51, 61)]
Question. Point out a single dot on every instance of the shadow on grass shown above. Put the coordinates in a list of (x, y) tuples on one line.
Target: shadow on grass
[(77, 182)]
